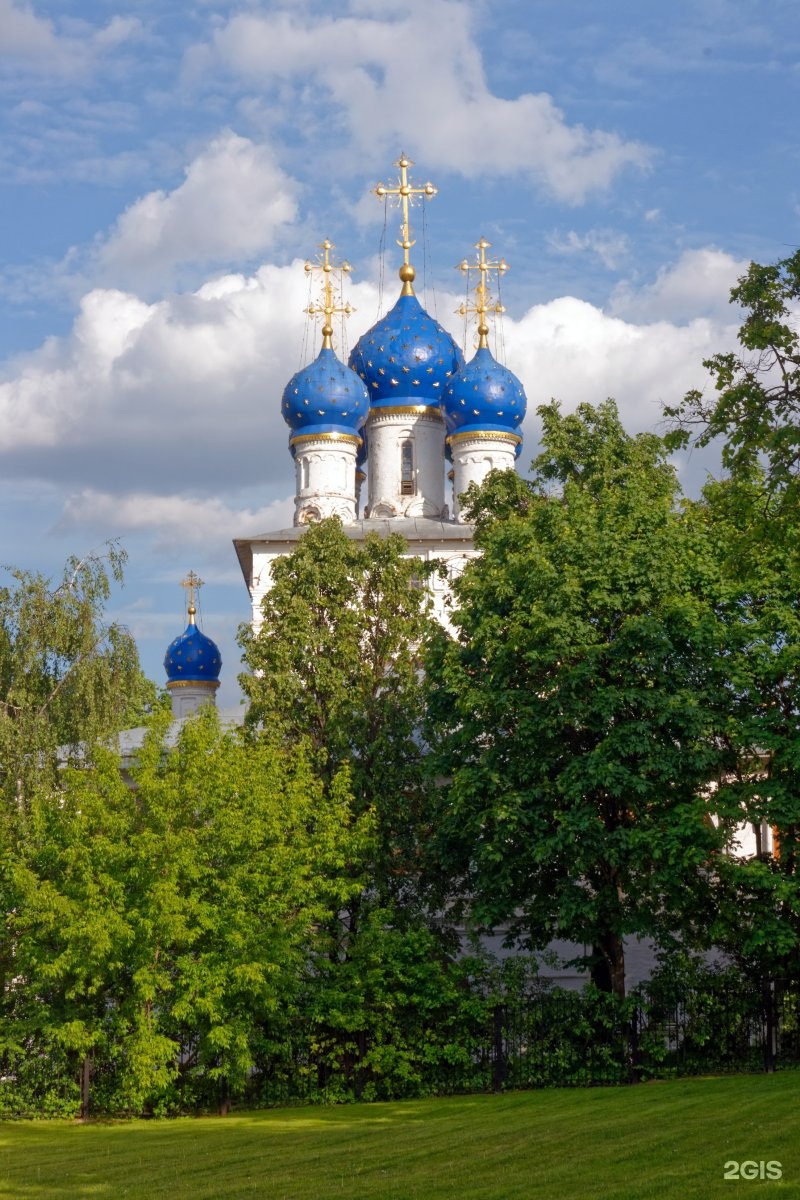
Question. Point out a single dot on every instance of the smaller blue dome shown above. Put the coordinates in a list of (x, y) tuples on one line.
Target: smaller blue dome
[(325, 397), (484, 397), (192, 657), (406, 358)]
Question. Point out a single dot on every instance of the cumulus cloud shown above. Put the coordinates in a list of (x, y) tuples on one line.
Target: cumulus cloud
[(574, 352), (607, 245), (185, 391), (181, 398), (699, 283), (416, 78), (178, 521), (232, 203), (30, 43)]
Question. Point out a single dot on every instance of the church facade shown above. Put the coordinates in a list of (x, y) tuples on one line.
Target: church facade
[(390, 440)]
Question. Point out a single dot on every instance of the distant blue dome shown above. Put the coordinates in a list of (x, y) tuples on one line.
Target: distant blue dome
[(192, 657), (406, 358), (484, 397), (325, 397)]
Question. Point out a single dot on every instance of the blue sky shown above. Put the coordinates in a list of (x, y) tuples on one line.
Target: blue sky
[(166, 169)]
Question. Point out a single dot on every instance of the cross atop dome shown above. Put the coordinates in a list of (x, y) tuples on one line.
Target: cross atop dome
[(330, 300), (405, 194), (192, 583), (484, 303)]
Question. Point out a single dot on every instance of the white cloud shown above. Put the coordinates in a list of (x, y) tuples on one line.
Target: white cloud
[(184, 392), (699, 283), (183, 396), (32, 43), (234, 200), (176, 521), (24, 35), (573, 352), (416, 79), (610, 247)]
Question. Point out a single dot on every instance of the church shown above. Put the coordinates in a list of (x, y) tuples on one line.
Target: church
[(387, 442)]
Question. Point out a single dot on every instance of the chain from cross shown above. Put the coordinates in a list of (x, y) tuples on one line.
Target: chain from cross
[(405, 194), (192, 583), (484, 303), (330, 303)]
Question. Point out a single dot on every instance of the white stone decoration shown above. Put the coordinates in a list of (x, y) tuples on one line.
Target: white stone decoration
[(187, 697), (475, 455), (405, 475), (325, 471)]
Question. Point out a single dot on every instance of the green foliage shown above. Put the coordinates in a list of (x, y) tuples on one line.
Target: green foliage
[(395, 1017), (337, 662), (160, 931), (574, 709), (756, 405), (67, 679)]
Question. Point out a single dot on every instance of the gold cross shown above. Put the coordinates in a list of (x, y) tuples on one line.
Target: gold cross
[(484, 303), (193, 583), (405, 193), (330, 302)]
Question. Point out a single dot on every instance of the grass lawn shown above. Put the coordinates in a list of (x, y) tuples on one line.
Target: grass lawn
[(659, 1140)]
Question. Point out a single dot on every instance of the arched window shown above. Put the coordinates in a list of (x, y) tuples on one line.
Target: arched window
[(407, 468)]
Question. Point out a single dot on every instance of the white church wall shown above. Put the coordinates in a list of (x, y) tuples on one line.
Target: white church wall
[(421, 429)]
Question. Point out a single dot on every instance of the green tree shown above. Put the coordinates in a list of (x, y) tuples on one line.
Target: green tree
[(162, 929), (758, 907), (572, 710), (754, 411), (755, 407), (337, 662), (68, 679)]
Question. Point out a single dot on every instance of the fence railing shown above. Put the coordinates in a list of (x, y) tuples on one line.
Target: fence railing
[(563, 1038)]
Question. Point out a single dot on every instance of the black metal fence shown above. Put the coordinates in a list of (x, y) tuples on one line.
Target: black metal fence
[(564, 1038)]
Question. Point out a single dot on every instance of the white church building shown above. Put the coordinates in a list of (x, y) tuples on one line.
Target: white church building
[(389, 441)]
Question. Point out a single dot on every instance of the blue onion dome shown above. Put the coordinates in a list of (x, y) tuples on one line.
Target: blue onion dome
[(192, 657), (325, 397), (484, 397), (407, 357)]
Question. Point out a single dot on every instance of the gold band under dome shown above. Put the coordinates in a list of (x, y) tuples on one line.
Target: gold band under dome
[(211, 684), (405, 410), (351, 438), (486, 435)]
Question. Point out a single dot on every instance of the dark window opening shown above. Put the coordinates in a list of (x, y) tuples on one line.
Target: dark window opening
[(407, 469)]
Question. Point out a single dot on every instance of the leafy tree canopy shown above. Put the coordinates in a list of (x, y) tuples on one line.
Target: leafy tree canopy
[(67, 677), (573, 710), (755, 407), (161, 931), (336, 663)]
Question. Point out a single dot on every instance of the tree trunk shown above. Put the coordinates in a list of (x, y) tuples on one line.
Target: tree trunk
[(86, 1082), (617, 966), (608, 971)]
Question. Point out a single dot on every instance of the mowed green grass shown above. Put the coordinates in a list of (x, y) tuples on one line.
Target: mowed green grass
[(659, 1140)]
